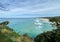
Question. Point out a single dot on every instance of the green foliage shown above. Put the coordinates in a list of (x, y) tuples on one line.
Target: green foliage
[(50, 36), (4, 38), (9, 35), (55, 19), (6, 27), (4, 23)]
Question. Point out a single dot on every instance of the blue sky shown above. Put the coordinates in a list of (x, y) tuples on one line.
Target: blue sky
[(29, 8)]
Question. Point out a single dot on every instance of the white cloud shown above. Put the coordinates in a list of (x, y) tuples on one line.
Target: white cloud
[(29, 7)]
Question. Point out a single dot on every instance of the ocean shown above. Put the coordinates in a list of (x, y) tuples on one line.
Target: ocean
[(30, 26)]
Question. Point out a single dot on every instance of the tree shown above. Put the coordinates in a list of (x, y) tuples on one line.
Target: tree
[(50, 36)]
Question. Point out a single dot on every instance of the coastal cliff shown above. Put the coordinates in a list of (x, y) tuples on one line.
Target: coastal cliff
[(50, 36), (9, 35)]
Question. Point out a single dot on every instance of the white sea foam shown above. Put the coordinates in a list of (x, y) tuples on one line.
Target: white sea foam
[(37, 22)]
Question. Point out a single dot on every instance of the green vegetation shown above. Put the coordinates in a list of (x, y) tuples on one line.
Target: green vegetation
[(9, 35), (56, 20), (4, 23), (50, 36)]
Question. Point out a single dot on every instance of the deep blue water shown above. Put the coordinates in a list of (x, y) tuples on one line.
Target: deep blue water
[(28, 25)]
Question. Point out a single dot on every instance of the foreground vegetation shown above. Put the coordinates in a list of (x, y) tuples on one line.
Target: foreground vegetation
[(50, 36), (9, 35), (56, 20)]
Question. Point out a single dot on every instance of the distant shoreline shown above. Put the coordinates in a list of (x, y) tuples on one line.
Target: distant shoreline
[(27, 17)]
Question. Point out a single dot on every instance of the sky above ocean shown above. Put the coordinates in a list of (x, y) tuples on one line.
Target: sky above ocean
[(29, 8)]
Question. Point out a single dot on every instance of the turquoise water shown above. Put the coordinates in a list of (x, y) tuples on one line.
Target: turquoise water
[(28, 25)]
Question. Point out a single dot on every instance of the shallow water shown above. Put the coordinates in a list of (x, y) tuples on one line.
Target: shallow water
[(31, 26)]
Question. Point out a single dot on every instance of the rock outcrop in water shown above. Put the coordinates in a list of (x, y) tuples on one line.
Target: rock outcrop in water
[(4, 23), (9, 35)]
